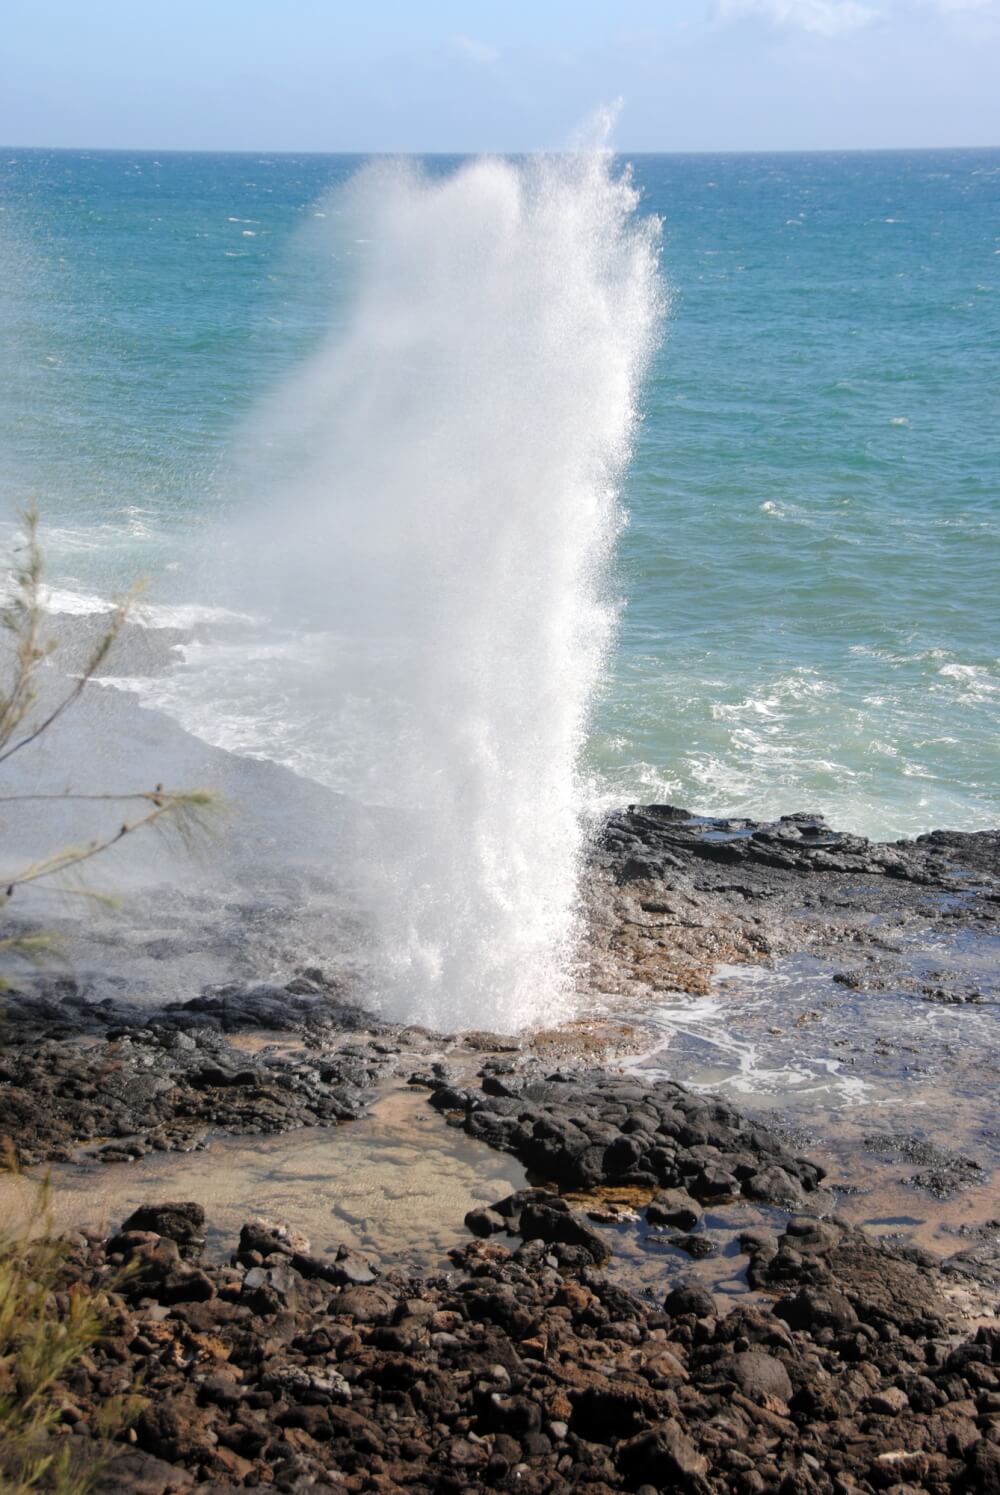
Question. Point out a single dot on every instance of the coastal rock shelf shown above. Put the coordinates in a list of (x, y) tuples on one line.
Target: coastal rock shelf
[(659, 836), (673, 894), (846, 991), (162, 1081)]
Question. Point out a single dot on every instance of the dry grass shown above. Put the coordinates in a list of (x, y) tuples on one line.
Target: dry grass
[(48, 1322), (48, 1319)]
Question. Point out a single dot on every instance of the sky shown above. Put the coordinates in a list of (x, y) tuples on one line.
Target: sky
[(438, 75)]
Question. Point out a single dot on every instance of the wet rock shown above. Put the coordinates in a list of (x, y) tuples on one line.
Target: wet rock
[(183, 1223), (774, 1186), (881, 1285), (980, 1262), (558, 1226), (689, 1300), (941, 1173), (677, 893), (585, 1129), (485, 1222), (447, 1098), (698, 1246), (624, 1153), (154, 1087), (713, 1182), (674, 1207)]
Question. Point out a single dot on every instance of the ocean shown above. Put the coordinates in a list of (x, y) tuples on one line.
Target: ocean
[(807, 583)]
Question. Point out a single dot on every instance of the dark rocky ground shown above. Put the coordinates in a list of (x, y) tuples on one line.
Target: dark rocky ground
[(848, 1366), (527, 1369), (140, 1081)]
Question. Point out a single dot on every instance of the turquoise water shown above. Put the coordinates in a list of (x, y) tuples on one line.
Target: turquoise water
[(810, 574)]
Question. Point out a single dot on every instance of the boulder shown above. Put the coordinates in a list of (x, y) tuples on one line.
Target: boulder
[(817, 1308), (180, 1222), (690, 1300), (663, 1457), (757, 1374), (674, 1207)]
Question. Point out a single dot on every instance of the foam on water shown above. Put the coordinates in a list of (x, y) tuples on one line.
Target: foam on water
[(437, 496)]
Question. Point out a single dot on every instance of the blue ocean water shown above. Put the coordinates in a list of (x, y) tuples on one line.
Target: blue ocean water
[(810, 574)]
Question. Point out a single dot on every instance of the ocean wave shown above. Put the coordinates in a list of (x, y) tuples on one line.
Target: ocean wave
[(64, 601), (976, 682)]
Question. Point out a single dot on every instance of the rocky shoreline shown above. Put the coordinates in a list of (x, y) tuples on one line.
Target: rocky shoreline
[(680, 893), (844, 1363), (528, 1369)]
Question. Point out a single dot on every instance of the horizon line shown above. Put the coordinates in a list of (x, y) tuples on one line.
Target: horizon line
[(203, 150)]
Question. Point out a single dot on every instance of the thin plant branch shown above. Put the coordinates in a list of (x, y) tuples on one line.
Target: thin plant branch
[(23, 618)]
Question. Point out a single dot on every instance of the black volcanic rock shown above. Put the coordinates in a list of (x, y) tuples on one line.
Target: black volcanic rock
[(161, 1088), (183, 1223), (581, 1129), (676, 893)]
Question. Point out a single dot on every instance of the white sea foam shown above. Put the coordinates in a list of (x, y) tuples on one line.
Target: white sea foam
[(75, 604), (438, 492), (735, 1059), (182, 615), (186, 615), (975, 683)]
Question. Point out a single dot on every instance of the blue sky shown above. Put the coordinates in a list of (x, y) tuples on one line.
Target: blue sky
[(436, 75)]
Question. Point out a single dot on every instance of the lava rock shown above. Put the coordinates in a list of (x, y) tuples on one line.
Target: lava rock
[(689, 1300), (757, 1374), (183, 1223), (813, 1308), (674, 1207), (664, 1457), (485, 1222)]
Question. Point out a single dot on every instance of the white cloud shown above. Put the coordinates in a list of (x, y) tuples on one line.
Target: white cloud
[(474, 50), (821, 17)]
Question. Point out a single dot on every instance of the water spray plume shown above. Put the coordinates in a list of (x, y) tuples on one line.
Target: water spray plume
[(442, 485)]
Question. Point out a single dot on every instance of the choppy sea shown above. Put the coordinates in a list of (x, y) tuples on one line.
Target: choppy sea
[(810, 574)]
